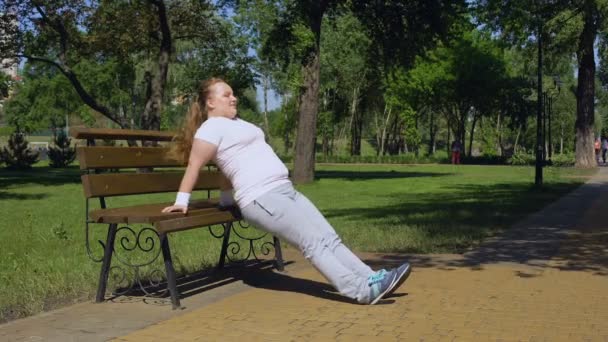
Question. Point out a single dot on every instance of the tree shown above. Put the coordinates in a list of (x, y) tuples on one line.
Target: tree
[(400, 29), (345, 74), (573, 26), (463, 78), (42, 99), (61, 155), (64, 33), (17, 155)]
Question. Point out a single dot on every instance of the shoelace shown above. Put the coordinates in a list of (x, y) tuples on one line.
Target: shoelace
[(376, 277)]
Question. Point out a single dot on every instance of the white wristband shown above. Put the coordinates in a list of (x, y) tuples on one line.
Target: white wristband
[(183, 198), (226, 199)]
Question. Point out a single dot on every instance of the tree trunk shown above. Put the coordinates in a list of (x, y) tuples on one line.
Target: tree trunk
[(585, 92), (432, 133), (304, 163), (516, 139), (151, 115), (355, 125), (561, 140), (448, 143), (265, 113), (383, 137), (472, 134), (499, 148)]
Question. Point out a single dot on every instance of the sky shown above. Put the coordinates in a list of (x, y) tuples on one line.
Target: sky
[(274, 100)]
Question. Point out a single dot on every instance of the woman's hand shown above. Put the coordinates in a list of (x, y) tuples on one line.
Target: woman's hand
[(176, 208)]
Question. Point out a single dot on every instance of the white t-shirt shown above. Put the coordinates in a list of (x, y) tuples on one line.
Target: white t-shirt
[(244, 157)]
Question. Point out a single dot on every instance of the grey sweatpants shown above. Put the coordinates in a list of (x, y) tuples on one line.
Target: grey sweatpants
[(289, 215)]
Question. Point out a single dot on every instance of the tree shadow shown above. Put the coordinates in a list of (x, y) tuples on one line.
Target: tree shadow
[(7, 195), (46, 176), (461, 212), (365, 175), (554, 237)]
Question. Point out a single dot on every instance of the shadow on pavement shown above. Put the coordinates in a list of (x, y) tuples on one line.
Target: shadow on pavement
[(570, 235)]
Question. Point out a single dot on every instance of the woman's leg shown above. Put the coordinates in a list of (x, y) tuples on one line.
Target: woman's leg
[(346, 257), (278, 213)]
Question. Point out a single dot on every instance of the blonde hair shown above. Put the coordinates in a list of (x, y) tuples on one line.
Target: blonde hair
[(197, 114)]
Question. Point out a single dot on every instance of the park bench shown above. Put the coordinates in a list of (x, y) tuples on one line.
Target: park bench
[(109, 171)]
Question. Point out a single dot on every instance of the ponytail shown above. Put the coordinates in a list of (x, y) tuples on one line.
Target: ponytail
[(197, 114)]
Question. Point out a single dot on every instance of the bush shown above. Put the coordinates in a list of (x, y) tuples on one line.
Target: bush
[(406, 158), (486, 159), (566, 159), (61, 155), (18, 155), (522, 158)]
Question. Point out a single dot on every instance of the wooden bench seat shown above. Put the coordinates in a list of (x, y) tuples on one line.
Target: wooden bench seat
[(110, 171), (151, 213)]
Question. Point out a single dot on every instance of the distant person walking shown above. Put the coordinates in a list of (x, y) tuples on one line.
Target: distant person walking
[(456, 149)]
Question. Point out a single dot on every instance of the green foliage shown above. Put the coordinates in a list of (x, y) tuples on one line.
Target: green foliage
[(109, 50), (5, 83), (62, 154), (557, 160), (17, 155), (522, 158), (563, 160), (42, 100), (411, 132), (405, 158)]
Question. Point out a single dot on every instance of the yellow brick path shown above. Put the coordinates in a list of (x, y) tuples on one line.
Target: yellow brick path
[(508, 303)]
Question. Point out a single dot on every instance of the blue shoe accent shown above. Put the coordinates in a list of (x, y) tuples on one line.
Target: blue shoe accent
[(401, 274), (379, 284)]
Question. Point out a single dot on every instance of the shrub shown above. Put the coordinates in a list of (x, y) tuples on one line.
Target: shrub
[(566, 159), (62, 154), (522, 158), (485, 159), (18, 155), (406, 158)]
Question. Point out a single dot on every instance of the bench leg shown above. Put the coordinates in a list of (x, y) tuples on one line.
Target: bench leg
[(106, 263), (278, 255), (224, 251), (164, 243)]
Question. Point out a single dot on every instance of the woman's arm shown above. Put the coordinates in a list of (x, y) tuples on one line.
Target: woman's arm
[(202, 152)]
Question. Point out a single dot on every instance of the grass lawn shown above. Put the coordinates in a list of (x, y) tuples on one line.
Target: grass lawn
[(390, 208)]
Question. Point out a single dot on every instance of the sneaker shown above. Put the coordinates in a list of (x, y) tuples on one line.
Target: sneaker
[(401, 274), (379, 284)]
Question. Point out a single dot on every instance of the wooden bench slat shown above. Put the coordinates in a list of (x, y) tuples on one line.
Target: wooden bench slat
[(106, 157), (195, 220), (119, 184), (151, 213), (121, 134)]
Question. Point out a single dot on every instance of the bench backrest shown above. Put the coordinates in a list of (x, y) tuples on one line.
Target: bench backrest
[(164, 178)]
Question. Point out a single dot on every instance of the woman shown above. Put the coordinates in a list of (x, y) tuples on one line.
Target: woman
[(265, 195)]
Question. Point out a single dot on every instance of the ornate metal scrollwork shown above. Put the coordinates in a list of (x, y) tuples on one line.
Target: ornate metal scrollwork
[(135, 252), (142, 276), (234, 247)]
